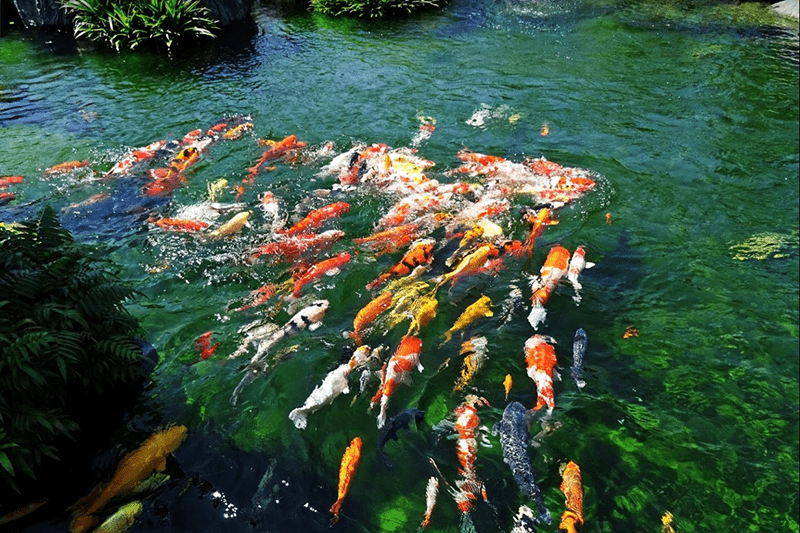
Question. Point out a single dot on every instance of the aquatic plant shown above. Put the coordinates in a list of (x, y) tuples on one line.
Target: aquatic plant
[(130, 24), (372, 8), (65, 338)]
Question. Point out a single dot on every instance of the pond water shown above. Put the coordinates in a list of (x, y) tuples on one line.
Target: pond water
[(687, 122)]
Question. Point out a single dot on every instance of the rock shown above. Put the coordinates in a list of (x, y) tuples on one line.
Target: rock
[(787, 8)]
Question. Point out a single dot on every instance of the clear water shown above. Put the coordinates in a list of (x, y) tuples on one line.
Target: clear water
[(692, 122)]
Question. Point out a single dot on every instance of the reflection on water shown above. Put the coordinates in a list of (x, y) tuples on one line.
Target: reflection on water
[(693, 127)]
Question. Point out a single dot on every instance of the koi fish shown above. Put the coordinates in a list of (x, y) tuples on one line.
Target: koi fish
[(122, 519), (216, 188), (368, 313), (555, 266), (572, 518), (328, 266), (237, 131), (538, 221), (513, 430), (578, 352), (256, 333), (25, 510), (6, 197), (177, 224), (317, 217), (540, 358), (483, 228), (132, 469), (507, 382), (309, 317), (391, 239), (63, 168), (431, 492), (474, 353), (8, 181), (134, 157), (350, 459), (576, 266), (334, 384), (203, 345), (423, 309), (293, 248), (466, 449), (406, 293), (257, 297), (234, 225), (395, 424), (666, 523), (470, 263), (480, 308), (276, 149), (524, 520), (419, 254), (396, 371)]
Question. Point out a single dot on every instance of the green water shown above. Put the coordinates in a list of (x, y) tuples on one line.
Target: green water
[(690, 121)]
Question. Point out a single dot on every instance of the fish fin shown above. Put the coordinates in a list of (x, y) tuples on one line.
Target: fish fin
[(162, 464), (314, 325), (332, 271), (589, 264), (536, 316), (299, 418), (346, 389)]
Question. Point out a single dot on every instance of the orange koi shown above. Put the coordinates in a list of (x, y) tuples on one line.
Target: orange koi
[(554, 268), (316, 271), (22, 511), (420, 254), (177, 224), (136, 466), (203, 345), (368, 313), (292, 249), (507, 382), (538, 221), (545, 130), (350, 459), (63, 168), (396, 371), (630, 332), (276, 150), (391, 239), (8, 181), (317, 217), (258, 297), (6, 197), (572, 518), (540, 359), (608, 218)]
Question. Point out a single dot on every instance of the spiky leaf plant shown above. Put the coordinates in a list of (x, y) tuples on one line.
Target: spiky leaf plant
[(66, 340), (373, 8)]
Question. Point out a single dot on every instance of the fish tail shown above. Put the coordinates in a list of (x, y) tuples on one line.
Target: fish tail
[(83, 523), (536, 316), (356, 337), (299, 417)]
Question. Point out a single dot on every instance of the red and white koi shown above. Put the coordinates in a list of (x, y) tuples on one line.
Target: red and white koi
[(136, 156), (554, 268), (391, 239), (347, 468), (576, 266), (431, 492), (540, 360), (397, 371), (469, 485), (330, 266), (334, 384)]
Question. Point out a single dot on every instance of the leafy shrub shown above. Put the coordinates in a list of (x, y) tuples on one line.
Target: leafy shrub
[(65, 340), (372, 8), (130, 24)]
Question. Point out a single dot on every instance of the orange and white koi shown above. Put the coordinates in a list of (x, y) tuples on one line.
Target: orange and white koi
[(554, 268), (132, 469), (572, 519), (204, 346), (368, 314), (177, 224), (482, 308), (469, 485), (431, 492), (7, 181), (427, 125), (474, 352), (350, 460), (317, 217), (540, 359), (234, 225), (419, 254), (332, 386), (576, 266), (134, 157), (410, 207), (328, 266), (291, 249), (397, 371), (63, 168), (258, 297)]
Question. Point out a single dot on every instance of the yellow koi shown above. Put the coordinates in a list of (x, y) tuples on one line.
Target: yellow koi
[(471, 263), (507, 384), (216, 188), (474, 353), (232, 226), (422, 311), (481, 308), (122, 519), (666, 522)]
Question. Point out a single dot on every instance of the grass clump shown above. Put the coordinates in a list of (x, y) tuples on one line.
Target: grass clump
[(66, 342), (136, 22), (372, 8)]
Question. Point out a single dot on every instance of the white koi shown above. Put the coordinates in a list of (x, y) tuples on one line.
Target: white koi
[(576, 266)]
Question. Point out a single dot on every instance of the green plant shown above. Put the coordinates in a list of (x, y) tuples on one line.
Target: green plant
[(372, 8), (130, 24), (65, 340)]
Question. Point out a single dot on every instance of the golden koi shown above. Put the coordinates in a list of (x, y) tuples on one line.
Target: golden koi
[(554, 268), (507, 382), (475, 356), (420, 254), (666, 523), (132, 469), (120, 521), (350, 459), (368, 313), (216, 188), (540, 359), (405, 292), (234, 225), (480, 308), (470, 264), (422, 311), (537, 223), (572, 518), (237, 131), (397, 371)]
